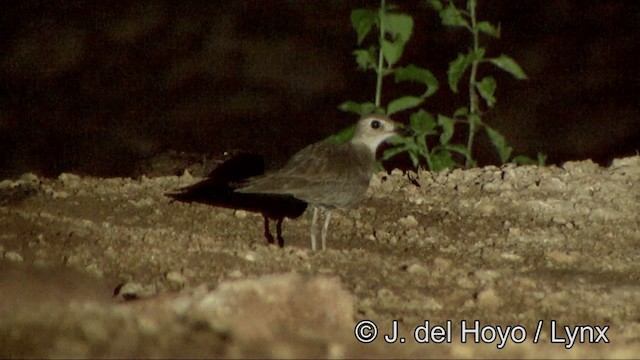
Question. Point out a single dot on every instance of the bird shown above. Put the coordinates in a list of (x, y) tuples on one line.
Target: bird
[(326, 175), (217, 189)]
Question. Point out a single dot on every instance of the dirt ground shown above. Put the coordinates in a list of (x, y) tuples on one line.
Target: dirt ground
[(93, 267)]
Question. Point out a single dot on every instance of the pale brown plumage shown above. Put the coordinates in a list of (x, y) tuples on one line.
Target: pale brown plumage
[(326, 175)]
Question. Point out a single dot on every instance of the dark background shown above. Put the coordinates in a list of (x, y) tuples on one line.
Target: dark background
[(95, 87)]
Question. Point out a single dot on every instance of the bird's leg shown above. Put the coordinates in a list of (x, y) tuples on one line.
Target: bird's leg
[(279, 232), (325, 227), (267, 230), (314, 220)]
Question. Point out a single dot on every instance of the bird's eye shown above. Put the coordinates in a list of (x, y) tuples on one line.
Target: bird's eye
[(375, 124)]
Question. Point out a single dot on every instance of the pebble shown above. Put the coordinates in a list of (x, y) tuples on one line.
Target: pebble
[(69, 179), (442, 263), (488, 299), (487, 275), (134, 290), (176, 278), (465, 283), (240, 214), (408, 221), (29, 178), (553, 184), (417, 269), (250, 256), (13, 256), (511, 256), (486, 209), (94, 269), (560, 257)]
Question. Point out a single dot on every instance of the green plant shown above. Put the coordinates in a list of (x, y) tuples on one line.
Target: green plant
[(484, 88), (382, 57)]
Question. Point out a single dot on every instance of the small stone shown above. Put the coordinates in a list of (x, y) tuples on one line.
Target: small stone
[(442, 263), (29, 178), (7, 184), (559, 220), (134, 290), (487, 275), (240, 214), (176, 278), (465, 283), (186, 176), (94, 269), (560, 257), (408, 221), (68, 178), (375, 181), (417, 269), (486, 209), (250, 256), (13, 256), (488, 299), (511, 256), (148, 326), (553, 184), (514, 231), (110, 253), (60, 195), (94, 331)]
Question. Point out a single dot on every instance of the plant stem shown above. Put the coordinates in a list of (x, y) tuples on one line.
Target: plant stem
[(380, 70), (473, 95)]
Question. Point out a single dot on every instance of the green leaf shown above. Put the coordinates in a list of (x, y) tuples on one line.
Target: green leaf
[(474, 121), (451, 16), (523, 160), (471, 5), (362, 21), (365, 59), (456, 69), (487, 89), (400, 26), (487, 28), (447, 128), (360, 109), (460, 149), (476, 55), (422, 123), (389, 153), (504, 150), (403, 103), (418, 74), (391, 51), (342, 136), (351, 106), (461, 112), (414, 159), (442, 160), (542, 159), (398, 140), (509, 65), (436, 4)]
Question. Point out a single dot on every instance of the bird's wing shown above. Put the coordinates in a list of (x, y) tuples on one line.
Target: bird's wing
[(323, 161), (317, 170)]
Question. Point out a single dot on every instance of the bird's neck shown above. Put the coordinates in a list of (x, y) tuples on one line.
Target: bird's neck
[(370, 146), (365, 151)]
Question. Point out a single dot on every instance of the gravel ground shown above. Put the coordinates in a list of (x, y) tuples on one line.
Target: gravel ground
[(93, 267)]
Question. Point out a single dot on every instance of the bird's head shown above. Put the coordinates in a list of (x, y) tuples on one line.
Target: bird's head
[(373, 129)]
